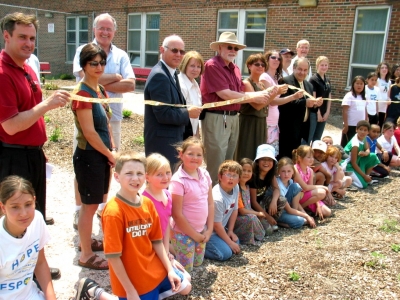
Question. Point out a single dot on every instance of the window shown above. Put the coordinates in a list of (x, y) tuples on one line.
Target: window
[(143, 39), (77, 34), (249, 26), (369, 40)]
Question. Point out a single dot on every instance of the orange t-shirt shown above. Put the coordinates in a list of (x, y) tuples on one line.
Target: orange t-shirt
[(240, 201), (129, 231)]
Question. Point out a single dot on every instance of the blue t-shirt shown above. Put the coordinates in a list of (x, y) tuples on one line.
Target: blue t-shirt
[(372, 144)]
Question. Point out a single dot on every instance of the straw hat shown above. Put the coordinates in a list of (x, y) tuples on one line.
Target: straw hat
[(227, 38)]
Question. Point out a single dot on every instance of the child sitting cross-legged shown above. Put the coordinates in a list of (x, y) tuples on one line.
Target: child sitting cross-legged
[(223, 242), (133, 240), (321, 175), (360, 161), (382, 169)]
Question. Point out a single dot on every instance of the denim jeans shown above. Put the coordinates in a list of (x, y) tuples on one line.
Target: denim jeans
[(293, 190), (217, 249), (316, 128), (292, 221)]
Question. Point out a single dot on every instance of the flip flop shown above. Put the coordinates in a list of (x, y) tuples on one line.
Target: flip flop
[(93, 264), (96, 246)]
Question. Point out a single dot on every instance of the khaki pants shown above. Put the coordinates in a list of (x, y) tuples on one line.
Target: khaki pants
[(219, 142)]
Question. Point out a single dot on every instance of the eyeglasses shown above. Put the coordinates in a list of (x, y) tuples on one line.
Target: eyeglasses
[(275, 57), (235, 176), (175, 50), (31, 82), (259, 65), (94, 64), (105, 29), (232, 48)]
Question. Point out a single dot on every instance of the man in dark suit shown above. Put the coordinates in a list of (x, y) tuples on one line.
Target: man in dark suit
[(293, 116), (164, 126)]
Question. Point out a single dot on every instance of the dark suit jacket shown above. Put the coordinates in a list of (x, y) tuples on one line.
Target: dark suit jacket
[(164, 126), (291, 116)]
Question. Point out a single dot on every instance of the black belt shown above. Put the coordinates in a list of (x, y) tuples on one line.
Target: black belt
[(5, 145), (224, 112)]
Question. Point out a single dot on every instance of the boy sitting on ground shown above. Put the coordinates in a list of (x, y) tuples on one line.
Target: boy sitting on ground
[(321, 175)]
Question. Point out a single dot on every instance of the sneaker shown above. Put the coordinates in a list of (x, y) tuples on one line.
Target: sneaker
[(49, 221), (373, 181), (275, 227), (76, 218), (86, 289)]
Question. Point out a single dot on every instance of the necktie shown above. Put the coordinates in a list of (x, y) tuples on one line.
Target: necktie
[(307, 112)]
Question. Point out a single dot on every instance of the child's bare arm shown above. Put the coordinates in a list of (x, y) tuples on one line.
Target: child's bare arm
[(305, 186), (210, 217), (296, 212), (328, 176), (123, 278), (257, 207), (220, 231), (42, 273)]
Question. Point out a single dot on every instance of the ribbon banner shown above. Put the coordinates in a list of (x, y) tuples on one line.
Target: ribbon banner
[(207, 105)]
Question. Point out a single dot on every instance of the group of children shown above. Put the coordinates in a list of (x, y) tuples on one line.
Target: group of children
[(165, 230)]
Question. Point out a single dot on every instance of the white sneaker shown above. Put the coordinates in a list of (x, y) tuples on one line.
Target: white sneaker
[(275, 227)]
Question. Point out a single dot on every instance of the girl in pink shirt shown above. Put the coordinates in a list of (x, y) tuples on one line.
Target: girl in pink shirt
[(192, 205)]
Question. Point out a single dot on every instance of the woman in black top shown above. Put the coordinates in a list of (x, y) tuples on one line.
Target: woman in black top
[(322, 88)]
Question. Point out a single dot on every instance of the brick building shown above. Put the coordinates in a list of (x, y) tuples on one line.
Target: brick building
[(354, 34)]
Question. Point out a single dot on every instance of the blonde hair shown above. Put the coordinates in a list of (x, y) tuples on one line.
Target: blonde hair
[(301, 152), (284, 161), (321, 59), (155, 162), (188, 56), (126, 156), (230, 166)]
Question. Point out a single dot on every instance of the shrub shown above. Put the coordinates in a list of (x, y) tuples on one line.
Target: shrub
[(126, 113), (50, 86), (139, 140), (66, 76), (56, 134)]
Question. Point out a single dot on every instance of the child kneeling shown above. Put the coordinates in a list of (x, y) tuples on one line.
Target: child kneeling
[(139, 265)]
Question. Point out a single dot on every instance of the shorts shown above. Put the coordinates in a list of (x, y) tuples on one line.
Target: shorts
[(92, 173), (312, 207), (164, 289)]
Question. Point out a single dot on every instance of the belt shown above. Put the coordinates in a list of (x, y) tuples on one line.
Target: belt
[(5, 145), (224, 112)]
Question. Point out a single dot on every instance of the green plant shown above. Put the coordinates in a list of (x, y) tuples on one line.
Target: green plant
[(56, 134), (389, 226), (139, 140), (294, 276), (396, 247), (50, 86), (377, 260), (126, 113), (66, 76), (46, 118), (317, 240)]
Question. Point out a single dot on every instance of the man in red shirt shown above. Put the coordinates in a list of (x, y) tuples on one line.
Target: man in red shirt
[(22, 130)]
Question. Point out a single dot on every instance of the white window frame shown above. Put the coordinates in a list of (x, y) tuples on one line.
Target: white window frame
[(77, 31), (385, 32), (143, 36), (241, 30)]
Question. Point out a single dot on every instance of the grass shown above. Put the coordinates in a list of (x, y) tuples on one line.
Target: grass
[(395, 247), (294, 276), (56, 134), (139, 140), (389, 226), (51, 86), (126, 113), (47, 119), (377, 260)]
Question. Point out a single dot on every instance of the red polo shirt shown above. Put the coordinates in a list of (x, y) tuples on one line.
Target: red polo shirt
[(218, 76), (17, 96)]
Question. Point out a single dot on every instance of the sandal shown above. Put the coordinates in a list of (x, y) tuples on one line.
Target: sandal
[(93, 264), (96, 245)]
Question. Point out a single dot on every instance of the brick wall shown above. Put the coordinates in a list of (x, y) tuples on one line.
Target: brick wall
[(328, 27)]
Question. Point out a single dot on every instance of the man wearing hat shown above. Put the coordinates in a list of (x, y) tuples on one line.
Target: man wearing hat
[(222, 81), (287, 56)]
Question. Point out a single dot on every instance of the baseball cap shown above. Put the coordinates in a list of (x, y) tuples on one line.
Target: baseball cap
[(286, 50), (319, 145)]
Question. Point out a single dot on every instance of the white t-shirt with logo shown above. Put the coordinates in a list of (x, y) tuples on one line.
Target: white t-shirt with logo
[(356, 111), (18, 258), (384, 88), (372, 96)]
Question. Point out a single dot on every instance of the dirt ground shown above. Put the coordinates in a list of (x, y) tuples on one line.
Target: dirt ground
[(352, 255)]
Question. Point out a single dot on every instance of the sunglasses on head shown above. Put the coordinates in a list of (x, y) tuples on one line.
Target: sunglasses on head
[(96, 63), (31, 82), (259, 65), (232, 48), (275, 57), (175, 50)]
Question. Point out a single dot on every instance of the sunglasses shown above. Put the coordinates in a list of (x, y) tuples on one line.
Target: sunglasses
[(275, 57), (259, 65), (175, 50), (31, 82), (232, 48), (94, 64)]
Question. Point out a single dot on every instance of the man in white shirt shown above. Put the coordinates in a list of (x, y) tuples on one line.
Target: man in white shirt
[(302, 48)]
